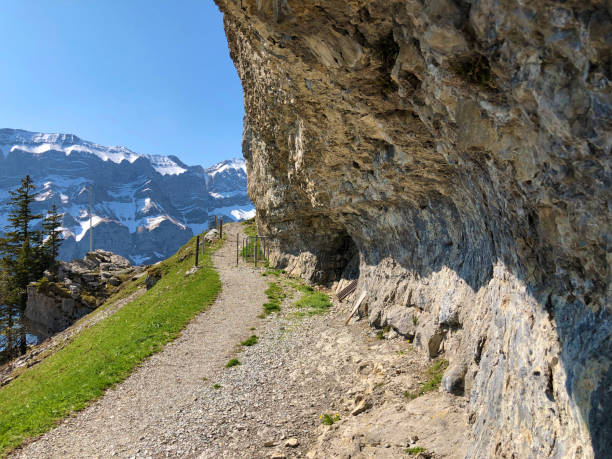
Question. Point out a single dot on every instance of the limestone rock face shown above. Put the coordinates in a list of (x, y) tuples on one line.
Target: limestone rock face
[(78, 288), (460, 150)]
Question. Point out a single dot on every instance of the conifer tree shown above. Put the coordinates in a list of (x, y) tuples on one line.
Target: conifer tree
[(53, 235), (20, 215), (20, 258), (19, 251), (24, 256), (7, 315)]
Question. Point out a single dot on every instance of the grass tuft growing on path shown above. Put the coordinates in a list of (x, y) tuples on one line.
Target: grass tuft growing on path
[(273, 272), (250, 341), (312, 302), (435, 373), (276, 295), (329, 419), (105, 354)]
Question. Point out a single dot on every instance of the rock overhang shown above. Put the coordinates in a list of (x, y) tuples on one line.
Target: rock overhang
[(459, 150)]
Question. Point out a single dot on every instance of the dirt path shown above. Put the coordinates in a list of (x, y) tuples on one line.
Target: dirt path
[(183, 402), (146, 405)]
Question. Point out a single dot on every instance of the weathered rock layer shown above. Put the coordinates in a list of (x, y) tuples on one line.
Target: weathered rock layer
[(454, 156)]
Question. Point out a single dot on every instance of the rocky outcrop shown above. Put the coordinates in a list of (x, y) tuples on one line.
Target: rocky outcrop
[(79, 287), (458, 154)]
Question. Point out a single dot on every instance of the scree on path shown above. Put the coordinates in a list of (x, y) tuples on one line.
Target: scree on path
[(148, 406)]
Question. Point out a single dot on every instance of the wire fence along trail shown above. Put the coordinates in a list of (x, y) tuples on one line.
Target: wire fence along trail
[(254, 249)]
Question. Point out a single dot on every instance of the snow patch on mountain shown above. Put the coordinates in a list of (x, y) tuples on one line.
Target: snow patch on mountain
[(143, 210), (165, 166), (229, 194), (238, 212), (38, 143), (236, 164), (86, 224)]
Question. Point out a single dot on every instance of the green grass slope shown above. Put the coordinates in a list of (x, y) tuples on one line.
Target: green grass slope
[(105, 354)]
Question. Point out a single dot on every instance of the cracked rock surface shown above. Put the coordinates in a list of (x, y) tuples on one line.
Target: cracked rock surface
[(454, 156)]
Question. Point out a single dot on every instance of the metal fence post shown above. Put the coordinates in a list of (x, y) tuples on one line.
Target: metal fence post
[(237, 248), (197, 251), (221, 228)]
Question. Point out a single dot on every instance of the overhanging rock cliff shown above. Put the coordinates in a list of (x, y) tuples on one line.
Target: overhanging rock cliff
[(458, 153)]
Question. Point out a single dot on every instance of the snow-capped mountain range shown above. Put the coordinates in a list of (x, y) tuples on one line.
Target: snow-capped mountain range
[(144, 206)]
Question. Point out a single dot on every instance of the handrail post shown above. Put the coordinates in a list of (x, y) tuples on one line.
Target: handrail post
[(237, 247), (197, 250)]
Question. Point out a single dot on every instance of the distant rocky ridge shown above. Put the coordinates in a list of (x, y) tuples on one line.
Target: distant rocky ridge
[(144, 206)]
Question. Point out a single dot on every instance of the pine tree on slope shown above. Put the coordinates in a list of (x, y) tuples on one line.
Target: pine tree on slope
[(20, 258), (53, 235)]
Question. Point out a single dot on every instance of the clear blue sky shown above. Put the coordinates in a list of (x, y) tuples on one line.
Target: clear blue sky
[(152, 75)]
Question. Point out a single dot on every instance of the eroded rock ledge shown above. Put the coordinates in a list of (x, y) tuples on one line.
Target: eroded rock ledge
[(454, 157)]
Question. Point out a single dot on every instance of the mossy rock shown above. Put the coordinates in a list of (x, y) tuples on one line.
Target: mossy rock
[(47, 287)]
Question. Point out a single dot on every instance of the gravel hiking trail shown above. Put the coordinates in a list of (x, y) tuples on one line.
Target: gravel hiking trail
[(310, 387), (135, 417)]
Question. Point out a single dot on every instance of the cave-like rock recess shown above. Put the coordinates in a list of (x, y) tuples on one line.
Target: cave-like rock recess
[(454, 156)]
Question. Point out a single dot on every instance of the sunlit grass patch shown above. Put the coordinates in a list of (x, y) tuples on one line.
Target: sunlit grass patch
[(276, 295), (105, 354), (312, 302)]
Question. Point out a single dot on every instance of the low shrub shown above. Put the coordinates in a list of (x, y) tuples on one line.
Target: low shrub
[(434, 372), (329, 419)]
